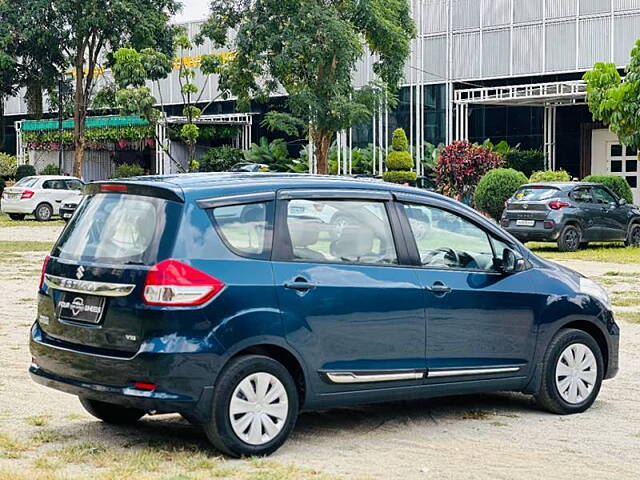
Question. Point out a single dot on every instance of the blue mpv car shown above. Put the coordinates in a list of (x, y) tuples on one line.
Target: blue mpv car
[(238, 300)]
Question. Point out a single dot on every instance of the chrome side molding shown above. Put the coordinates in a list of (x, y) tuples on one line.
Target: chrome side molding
[(83, 286), (470, 371), (366, 377)]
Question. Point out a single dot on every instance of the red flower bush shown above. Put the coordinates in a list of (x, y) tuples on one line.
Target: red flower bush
[(460, 167)]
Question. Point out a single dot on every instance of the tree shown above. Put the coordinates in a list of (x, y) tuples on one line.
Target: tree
[(616, 101), (87, 32), (309, 49)]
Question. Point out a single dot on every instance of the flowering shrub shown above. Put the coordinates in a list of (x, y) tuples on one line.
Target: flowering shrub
[(460, 167), (108, 139)]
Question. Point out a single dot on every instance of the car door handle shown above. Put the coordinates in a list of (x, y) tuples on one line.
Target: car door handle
[(299, 285), (438, 288)]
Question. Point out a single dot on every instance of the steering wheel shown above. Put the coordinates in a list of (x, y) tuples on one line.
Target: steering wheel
[(449, 253)]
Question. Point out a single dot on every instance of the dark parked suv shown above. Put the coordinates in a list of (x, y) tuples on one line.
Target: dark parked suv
[(238, 300), (572, 214)]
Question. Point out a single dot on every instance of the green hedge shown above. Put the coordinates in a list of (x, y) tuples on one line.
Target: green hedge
[(400, 177), (495, 188), (127, 170), (525, 161), (8, 166), (617, 184), (25, 171), (550, 176), (50, 170)]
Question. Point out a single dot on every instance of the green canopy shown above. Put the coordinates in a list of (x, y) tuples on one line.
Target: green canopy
[(91, 122)]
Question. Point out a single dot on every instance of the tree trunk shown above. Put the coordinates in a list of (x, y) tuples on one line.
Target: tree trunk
[(79, 117), (34, 99), (322, 143)]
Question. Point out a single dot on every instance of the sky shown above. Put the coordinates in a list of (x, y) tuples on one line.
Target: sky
[(193, 10)]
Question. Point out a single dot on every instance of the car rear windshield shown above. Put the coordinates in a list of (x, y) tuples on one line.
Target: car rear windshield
[(26, 182), (120, 229), (536, 193)]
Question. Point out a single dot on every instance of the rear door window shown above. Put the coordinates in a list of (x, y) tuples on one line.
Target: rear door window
[(533, 194), (246, 229), (340, 231), (119, 229), (582, 195), (55, 185)]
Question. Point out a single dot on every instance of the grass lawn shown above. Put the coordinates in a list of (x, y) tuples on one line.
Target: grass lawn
[(24, 246), (595, 252), (29, 221)]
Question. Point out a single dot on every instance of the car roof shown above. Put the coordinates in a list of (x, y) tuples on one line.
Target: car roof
[(203, 185), (565, 186)]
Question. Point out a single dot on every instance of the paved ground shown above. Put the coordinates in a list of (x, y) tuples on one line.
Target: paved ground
[(500, 436)]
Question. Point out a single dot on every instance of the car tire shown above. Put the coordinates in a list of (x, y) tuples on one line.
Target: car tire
[(111, 413), (633, 239), (568, 386), (246, 433), (43, 212), (17, 216), (569, 239)]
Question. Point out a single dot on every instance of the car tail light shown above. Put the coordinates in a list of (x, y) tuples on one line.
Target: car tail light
[(44, 270), (27, 194), (173, 283), (106, 188), (549, 224), (147, 387), (505, 222), (507, 203), (558, 204)]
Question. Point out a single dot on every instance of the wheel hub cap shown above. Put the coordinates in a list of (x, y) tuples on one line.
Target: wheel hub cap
[(576, 373), (258, 408)]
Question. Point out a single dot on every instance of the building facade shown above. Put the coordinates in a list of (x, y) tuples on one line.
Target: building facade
[(499, 69)]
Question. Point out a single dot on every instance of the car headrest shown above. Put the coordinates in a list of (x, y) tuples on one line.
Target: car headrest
[(353, 243), (304, 231)]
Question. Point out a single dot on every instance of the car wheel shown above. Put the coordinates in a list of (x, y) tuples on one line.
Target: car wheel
[(569, 240), (572, 373), (110, 413), (16, 216), (43, 212), (255, 407), (634, 236)]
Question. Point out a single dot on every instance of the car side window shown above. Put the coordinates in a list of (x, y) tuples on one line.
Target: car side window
[(446, 240), (246, 229), (602, 196), (74, 184), (54, 185), (582, 195), (340, 231)]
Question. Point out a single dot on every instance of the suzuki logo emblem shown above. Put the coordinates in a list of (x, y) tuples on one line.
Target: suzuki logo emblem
[(77, 306), (525, 206), (80, 272)]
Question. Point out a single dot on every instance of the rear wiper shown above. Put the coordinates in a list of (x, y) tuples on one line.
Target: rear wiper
[(134, 263)]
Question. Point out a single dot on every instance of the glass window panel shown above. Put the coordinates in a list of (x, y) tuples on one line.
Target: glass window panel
[(633, 181), (632, 166), (616, 150), (244, 227), (632, 152), (446, 240), (602, 196), (340, 231), (616, 166)]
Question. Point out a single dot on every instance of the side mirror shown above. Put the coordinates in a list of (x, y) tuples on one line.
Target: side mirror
[(510, 262), (622, 202)]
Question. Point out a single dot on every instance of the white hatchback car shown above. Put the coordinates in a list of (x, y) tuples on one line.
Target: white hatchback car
[(40, 195)]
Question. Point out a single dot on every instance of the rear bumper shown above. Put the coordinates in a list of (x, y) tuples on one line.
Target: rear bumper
[(535, 233), (184, 381), (25, 207)]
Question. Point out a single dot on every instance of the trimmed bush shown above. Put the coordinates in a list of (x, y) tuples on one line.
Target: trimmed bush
[(127, 170), (25, 171), (495, 188), (50, 170), (220, 159), (8, 165), (550, 176), (399, 142), (460, 167), (525, 161), (617, 185), (399, 161), (400, 177)]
